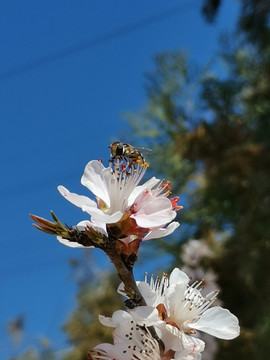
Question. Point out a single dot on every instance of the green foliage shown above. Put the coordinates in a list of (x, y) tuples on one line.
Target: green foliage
[(41, 351)]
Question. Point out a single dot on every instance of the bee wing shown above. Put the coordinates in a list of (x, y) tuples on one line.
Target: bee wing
[(144, 150)]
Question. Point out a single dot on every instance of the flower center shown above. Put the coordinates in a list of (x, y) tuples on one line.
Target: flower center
[(124, 177), (187, 311), (193, 305)]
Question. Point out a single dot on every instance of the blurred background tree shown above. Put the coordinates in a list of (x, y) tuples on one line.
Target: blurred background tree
[(219, 155)]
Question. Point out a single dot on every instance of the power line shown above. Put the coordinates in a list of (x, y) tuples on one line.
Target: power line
[(98, 40)]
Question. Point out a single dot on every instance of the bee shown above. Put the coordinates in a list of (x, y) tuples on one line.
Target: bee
[(128, 152)]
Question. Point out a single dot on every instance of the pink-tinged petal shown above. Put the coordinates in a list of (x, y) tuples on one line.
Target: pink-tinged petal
[(180, 356), (154, 213), (178, 276), (218, 322), (71, 244), (192, 344), (77, 200), (148, 185), (161, 232), (96, 179), (127, 240)]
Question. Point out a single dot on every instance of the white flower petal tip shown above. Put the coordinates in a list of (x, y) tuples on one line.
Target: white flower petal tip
[(71, 244), (95, 178), (106, 321), (178, 276), (77, 200), (119, 316)]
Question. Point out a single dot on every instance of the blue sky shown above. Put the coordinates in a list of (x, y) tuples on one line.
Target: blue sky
[(68, 70)]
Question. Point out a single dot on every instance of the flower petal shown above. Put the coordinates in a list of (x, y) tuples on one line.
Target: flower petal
[(78, 200), (106, 321), (218, 322), (101, 228), (98, 216), (82, 225), (173, 298), (149, 295), (171, 337), (178, 276), (179, 356), (139, 189), (71, 244), (154, 212), (96, 179), (192, 344), (161, 232), (146, 315), (118, 317), (107, 349)]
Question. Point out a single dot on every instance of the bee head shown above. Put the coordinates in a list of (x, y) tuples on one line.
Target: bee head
[(116, 148)]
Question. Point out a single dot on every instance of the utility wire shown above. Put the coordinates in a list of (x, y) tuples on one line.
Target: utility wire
[(100, 39)]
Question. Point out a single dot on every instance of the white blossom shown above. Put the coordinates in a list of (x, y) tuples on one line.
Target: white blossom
[(193, 251), (146, 208), (178, 310)]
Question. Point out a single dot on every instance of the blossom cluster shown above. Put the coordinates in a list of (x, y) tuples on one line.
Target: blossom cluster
[(176, 311), (164, 316)]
